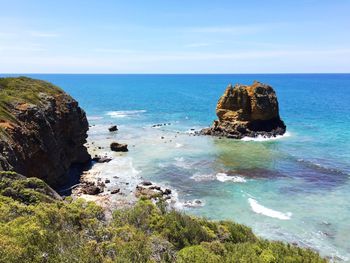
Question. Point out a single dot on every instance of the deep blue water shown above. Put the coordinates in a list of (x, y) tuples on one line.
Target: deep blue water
[(295, 188)]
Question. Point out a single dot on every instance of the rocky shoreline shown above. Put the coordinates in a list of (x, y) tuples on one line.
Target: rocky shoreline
[(242, 111), (113, 190)]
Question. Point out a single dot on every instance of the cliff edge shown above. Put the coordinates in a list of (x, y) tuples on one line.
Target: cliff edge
[(42, 130), (247, 111)]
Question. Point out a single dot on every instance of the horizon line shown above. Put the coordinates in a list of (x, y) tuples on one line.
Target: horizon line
[(82, 73)]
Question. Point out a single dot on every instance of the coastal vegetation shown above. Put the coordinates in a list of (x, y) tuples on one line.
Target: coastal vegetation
[(22, 90), (37, 226)]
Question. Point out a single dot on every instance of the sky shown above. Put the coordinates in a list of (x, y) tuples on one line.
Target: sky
[(174, 36)]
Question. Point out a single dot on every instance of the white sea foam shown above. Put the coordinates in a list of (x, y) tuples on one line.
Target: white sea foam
[(174, 202), (94, 118), (119, 169), (259, 209), (178, 145), (261, 138), (194, 203), (179, 159), (198, 177), (181, 162), (123, 114), (190, 131), (222, 177)]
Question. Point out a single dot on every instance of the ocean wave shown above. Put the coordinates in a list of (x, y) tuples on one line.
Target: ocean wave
[(198, 177), (123, 114), (261, 138), (181, 162), (178, 145), (222, 177), (175, 202), (260, 209)]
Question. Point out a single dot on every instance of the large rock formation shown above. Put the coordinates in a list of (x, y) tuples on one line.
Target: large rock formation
[(247, 111), (42, 130)]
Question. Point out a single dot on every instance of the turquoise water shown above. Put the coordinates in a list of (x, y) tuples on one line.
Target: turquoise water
[(295, 188)]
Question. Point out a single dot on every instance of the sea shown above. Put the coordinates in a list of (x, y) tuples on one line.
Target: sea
[(294, 188)]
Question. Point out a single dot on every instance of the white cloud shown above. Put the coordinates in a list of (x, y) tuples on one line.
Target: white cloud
[(43, 34), (257, 61), (24, 48), (242, 29), (112, 50), (195, 45)]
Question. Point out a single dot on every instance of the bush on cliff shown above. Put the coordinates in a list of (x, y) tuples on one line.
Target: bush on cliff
[(22, 90), (36, 229)]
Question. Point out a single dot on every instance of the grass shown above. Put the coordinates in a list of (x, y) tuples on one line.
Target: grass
[(22, 90)]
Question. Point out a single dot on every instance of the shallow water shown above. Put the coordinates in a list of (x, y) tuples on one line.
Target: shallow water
[(294, 188)]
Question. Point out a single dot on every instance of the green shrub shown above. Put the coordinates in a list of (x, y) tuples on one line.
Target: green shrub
[(25, 190), (197, 254), (37, 229)]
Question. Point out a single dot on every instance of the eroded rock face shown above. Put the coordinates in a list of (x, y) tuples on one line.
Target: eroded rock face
[(247, 111), (43, 136)]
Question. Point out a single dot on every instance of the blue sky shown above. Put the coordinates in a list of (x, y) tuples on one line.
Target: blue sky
[(158, 36)]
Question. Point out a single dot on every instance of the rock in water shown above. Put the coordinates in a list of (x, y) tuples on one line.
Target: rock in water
[(113, 128), (119, 147), (247, 111), (42, 130)]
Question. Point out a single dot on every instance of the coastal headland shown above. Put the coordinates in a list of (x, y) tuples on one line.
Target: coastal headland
[(43, 134)]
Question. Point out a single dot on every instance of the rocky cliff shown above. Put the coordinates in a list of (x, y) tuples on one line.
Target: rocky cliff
[(247, 111), (42, 130)]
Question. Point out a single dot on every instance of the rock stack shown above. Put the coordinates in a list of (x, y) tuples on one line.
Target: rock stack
[(247, 111)]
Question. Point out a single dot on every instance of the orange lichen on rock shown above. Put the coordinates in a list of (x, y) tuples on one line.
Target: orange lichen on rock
[(6, 125)]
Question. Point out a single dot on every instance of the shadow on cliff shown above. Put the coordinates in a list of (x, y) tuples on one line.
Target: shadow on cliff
[(73, 178)]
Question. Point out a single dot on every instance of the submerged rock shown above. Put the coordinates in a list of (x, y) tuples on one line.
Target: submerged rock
[(42, 130), (247, 111), (119, 147)]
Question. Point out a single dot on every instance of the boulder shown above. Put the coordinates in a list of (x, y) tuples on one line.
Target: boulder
[(150, 191), (146, 183), (119, 147), (113, 128), (247, 111), (91, 189), (115, 191), (147, 192), (99, 159), (167, 191)]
